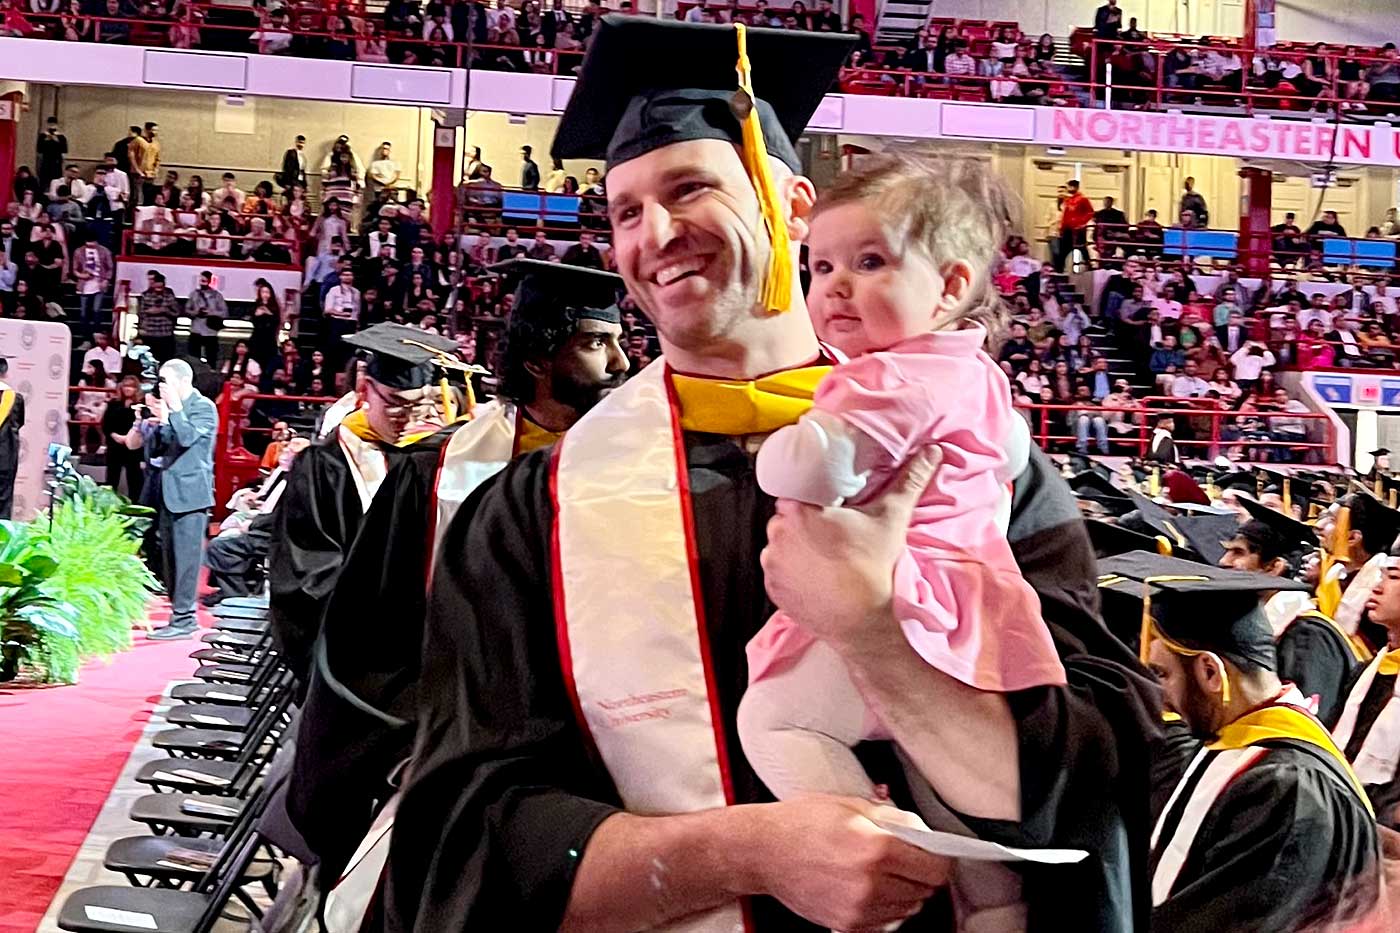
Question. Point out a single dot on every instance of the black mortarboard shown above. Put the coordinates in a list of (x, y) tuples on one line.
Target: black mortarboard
[(552, 289), (1243, 480), (647, 83), (403, 357), (1195, 608), (1285, 534), (1193, 537), (1110, 538), (1094, 481), (1378, 523), (1380, 452)]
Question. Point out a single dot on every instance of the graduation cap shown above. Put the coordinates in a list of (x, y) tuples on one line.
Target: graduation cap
[(1378, 523), (1274, 533), (1243, 480), (648, 83), (1195, 609), (403, 357), (545, 290), (1193, 537), (1380, 452), (1112, 538), (1095, 482)]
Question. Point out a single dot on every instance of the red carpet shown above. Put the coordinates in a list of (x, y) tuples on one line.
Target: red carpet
[(61, 750)]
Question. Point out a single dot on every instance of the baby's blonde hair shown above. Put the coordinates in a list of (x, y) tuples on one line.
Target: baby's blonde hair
[(948, 208)]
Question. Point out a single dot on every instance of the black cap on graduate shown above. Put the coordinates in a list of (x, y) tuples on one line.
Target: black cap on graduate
[(1272, 534), (1194, 608), (403, 357), (554, 290), (1378, 523), (648, 83)]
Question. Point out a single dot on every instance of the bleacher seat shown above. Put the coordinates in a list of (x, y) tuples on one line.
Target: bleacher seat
[(1368, 254), (1200, 244)]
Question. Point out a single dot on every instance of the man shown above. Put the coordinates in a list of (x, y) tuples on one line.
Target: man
[(529, 823), (1289, 243), (335, 480), (103, 351), (1125, 419), (584, 253), (1267, 828), (228, 191), (238, 553), (49, 151), (1088, 418), (48, 280), (207, 311), (1110, 230), (384, 172), (1108, 20), (1249, 361), (1372, 530), (8, 240), (1188, 384), (541, 248), (145, 161), (561, 356), (1163, 448), (1313, 651), (1327, 226), (189, 423), (1375, 752), (529, 171), (1234, 334), (512, 248), (1078, 212), (1193, 201), (380, 239), (294, 165), (341, 306), (11, 420), (117, 185), (1243, 297), (155, 321), (924, 58), (93, 269), (71, 178)]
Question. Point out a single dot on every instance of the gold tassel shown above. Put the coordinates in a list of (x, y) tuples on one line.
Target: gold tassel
[(1145, 633), (1164, 546), (776, 292), (1154, 482), (449, 402), (1288, 496), (1378, 487), (1329, 592)]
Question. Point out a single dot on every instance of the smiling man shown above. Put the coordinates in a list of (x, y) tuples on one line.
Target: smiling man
[(577, 764)]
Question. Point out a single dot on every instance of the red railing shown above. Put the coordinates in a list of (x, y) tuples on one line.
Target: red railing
[(1139, 441), (234, 464), (134, 251)]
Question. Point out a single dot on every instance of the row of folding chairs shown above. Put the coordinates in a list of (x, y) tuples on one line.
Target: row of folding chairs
[(224, 761)]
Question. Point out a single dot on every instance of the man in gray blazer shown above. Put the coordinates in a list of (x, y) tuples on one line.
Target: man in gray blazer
[(189, 424)]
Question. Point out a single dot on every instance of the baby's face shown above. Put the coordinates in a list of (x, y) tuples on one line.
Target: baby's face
[(867, 293)]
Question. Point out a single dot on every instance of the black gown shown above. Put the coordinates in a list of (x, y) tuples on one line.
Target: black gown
[(1315, 656), (1287, 846), (1384, 797), (357, 720), (503, 795), (9, 455), (317, 520)]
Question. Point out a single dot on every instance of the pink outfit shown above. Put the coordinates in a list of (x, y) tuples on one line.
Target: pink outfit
[(959, 596)]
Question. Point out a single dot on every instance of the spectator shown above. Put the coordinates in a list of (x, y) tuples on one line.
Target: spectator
[(1108, 20), (1287, 428), (50, 150), (1167, 357), (1098, 381), (293, 165), (1240, 293), (512, 247), (103, 351), (1074, 223), (1249, 361), (928, 57), (1343, 337), (267, 325), (529, 171), (1383, 77), (48, 277), (1193, 201), (242, 364), (145, 161), (1110, 230), (584, 253), (118, 418), (371, 46), (1121, 422), (342, 307), (1032, 378), (1289, 244), (1018, 350), (1327, 226), (1086, 418), (384, 172), (541, 248), (93, 270), (1377, 346), (1222, 385), (1313, 349), (155, 323), (960, 64), (9, 278), (207, 311)]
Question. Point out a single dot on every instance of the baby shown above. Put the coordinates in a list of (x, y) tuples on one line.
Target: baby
[(900, 258)]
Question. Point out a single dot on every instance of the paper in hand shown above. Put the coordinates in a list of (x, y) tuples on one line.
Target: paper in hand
[(911, 829)]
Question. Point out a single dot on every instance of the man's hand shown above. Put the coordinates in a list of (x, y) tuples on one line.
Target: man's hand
[(832, 569), (825, 858), (170, 398)]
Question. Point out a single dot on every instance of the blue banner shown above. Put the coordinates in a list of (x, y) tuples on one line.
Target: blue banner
[(1336, 389)]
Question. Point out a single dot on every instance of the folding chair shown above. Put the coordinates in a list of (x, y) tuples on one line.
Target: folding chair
[(186, 815)]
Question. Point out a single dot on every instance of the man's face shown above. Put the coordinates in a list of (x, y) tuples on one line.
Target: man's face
[(1190, 368), (45, 234), (1384, 602), (1182, 689), (589, 365), (541, 237), (204, 281), (1319, 301), (512, 236), (1281, 397), (417, 255), (347, 278), (102, 339), (1240, 555), (685, 219)]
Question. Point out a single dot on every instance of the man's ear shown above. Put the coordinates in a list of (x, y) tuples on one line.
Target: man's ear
[(799, 195), (537, 369)]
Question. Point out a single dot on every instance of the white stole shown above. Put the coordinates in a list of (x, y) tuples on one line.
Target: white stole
[(1379, 754), (1353, 604), (368, 465), (1219, 773), (477, 451), (1283, 609), (638, 669)]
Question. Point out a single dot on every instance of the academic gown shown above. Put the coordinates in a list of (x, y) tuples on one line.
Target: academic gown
[(503, 794), (1286, 846), (357, 720), (1384, 797), (1315, 656), (9, 454), (317, 520)]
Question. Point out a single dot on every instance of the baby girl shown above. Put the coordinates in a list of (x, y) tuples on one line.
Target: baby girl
[(900, 258)]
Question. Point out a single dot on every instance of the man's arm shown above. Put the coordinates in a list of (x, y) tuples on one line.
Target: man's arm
[(189, 424)]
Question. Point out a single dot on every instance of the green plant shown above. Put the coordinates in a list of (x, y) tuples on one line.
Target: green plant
[(83, 493), (36, 625)]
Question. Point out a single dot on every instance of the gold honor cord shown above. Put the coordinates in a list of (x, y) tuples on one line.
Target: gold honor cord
[(776, 292), (443, 360)]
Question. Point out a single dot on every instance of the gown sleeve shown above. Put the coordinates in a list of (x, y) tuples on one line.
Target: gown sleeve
[(315, 524), (1311, 655), (1288, 851), (503, 794)]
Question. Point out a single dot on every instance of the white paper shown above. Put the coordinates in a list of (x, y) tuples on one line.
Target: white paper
[(209, 720), (121, 918), (981, 850), (231, 697)]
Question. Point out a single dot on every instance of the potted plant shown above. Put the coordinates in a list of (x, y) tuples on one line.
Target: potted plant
[(35, 625)]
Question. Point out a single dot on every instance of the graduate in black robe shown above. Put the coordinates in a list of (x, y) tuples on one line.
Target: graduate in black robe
[(1286, 840), (562, 353), (11, 420), (320, 512), (504, 794)]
